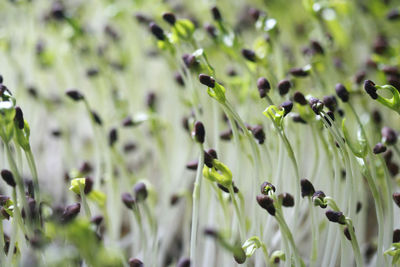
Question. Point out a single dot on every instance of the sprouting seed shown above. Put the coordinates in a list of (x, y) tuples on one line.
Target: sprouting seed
[(199, 133), (389, 135), (370, 88), (284, 87), (248, 54), (335, 216), (396, 236), (307, 188), (157, 31), (74, 95), (263, 86), (207, 80), (287, 200), (141, 193), (216, 13), (298, 97), (8, 177), (169, 17), (135, 262), (379, 148)]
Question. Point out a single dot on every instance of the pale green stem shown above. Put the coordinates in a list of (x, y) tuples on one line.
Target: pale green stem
[(2, 253), (240, 217), (378, 209), (84, 201), (314, 235), (32, 166), (196, 202)]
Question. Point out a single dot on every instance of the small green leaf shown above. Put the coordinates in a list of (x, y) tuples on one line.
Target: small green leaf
[(250, 245), (75, 185), (275, 114)]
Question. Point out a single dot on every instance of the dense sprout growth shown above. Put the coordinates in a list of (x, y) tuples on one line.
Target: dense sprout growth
[(199, 133)]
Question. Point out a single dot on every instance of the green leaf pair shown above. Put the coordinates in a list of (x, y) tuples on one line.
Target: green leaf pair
[(219, 173)]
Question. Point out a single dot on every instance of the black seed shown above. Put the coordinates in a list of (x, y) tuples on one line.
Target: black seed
[(335, 216), (287, 107), (342, 92), (258, 134), (88, 185), (370, 88), (388, 156), (97, 219), (157, 31), (393, 14), (141, 193), (74, 95), (199, 132), (298, 72), (347, 233), (85, 168), (19, 118), (112, 137), (174, 199), (92, 72), (226, 135), (128, 200), (8, 177), (134, 262), (287, 200), (211, 30), (393, 168), (396, 236), (142, 18), (169, 17), (389, 135), (381, 45), (266, 203), (213, 153), (298, 97), (297, 118), (316, 105), (317, 47), (211, 232), (130, 146), (307, 188), (70, 212), (96, 118), (396, 198), (263, 86), (379, 148), (330, 102), (183, 262), (179, 79), (207, 80), (151, 99), (391, 70), (248, 54), (189, 60), (376, 116), (192, 165), (57, 11), (360, 76), (284, 86), (215, 13), (358, 207), (208, 160)]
